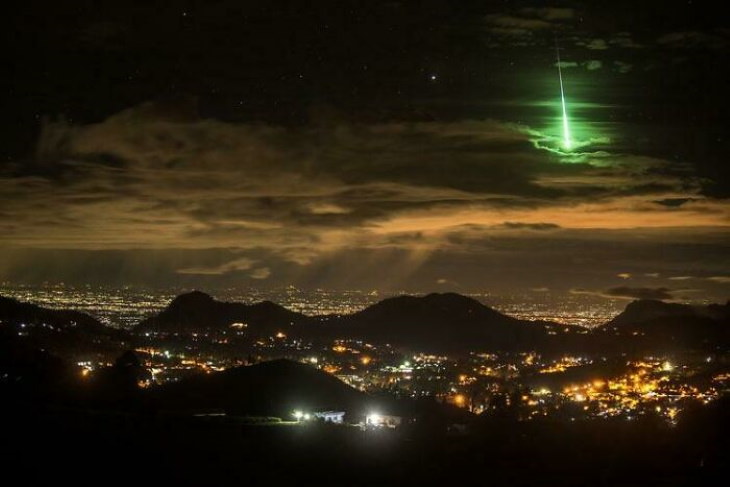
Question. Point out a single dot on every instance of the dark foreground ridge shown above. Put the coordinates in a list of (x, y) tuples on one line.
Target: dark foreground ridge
[(201, 431), (113, 448)]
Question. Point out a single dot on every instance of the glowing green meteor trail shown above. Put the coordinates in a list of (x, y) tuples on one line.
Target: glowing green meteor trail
[(566, 130)]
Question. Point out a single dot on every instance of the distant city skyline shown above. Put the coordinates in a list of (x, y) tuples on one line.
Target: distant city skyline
[(126, 306)]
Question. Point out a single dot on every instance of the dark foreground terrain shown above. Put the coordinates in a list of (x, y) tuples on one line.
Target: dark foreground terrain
[(84, 447)]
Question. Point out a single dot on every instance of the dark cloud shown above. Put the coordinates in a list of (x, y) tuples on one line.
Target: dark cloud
[(550, 13), (597, 44), (529, 19), (624, 292), (519, 24), (674, 202), (718, 39), (624, 40), (243, 264), (531, 226), (526, 26), (622, 67), (660, 293)]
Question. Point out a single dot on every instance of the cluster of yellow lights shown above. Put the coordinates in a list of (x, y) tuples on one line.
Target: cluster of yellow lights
[(648, 384), (721, 377), (332, 369), (466, 379), (560, 366), (430, 358), (529, 359), (637, 384), (487, 371)]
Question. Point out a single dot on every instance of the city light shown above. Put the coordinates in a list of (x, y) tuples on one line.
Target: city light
[(460, 400), (659, 384)]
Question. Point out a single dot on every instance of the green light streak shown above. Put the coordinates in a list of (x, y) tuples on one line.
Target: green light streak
[(567, 143)]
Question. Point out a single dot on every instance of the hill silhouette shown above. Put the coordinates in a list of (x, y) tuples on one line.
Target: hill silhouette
[(60, 331), (197, 311), (453, 323), (273, 388), (436, 322), (657, 324), (445, 321)]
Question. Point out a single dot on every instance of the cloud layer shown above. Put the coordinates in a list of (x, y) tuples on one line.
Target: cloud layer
[(143, 179), (155, 177)]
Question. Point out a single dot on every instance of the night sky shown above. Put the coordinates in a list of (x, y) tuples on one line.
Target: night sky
[(368, 145)]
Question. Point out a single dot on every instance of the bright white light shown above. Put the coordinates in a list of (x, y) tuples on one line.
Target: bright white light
[(307, 416), (374, 418), (298, 415)]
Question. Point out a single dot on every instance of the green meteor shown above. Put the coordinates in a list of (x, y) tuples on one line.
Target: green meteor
[(567, 143)]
